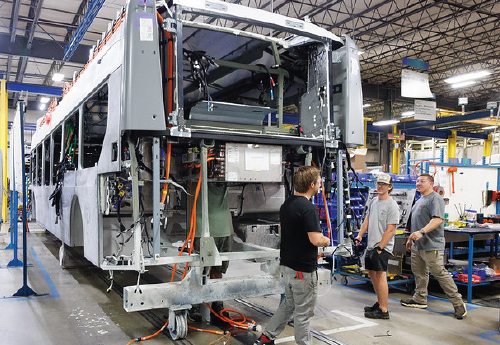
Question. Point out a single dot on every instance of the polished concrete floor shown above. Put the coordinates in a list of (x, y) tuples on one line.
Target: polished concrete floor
[(73, 307)]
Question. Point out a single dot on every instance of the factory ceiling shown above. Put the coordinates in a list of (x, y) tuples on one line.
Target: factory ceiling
[(41, 37)]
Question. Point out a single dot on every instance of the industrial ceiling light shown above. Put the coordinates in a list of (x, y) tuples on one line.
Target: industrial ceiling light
[(366, 105), (489, 127), (467, 76), (385, 122), (44, 100), (463, 84), (58, 77), (42, 106)]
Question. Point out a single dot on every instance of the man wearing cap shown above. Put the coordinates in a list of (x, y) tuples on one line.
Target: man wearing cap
[(426, 244), (382, 216)]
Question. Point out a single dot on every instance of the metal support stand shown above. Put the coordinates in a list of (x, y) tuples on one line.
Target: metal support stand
[(15, 262), (11, 244), (25, 290)]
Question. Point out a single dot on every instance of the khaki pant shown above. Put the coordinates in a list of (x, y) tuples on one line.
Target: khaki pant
[(423, 262), (300, 299)]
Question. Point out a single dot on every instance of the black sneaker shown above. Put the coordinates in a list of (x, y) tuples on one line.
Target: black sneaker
[(194, 314), (373, 307), (263, 340), (460, 311), (409, 302), (377, 314), (217, 307)]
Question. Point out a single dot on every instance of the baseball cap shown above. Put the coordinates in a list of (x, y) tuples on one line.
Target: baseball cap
[(384, 178)]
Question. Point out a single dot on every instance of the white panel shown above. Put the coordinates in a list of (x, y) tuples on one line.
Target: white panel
[(469, 184)]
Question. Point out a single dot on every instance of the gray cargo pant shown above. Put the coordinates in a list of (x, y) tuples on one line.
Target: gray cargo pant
[(423, 262), (300, 298)]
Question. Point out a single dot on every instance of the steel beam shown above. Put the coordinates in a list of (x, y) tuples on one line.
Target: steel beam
[(13, 21), (188, 291), (35, 89), (444, 120), (88, 18), (41, 49)]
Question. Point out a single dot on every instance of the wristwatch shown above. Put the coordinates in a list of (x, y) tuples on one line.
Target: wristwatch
[(422, 232)]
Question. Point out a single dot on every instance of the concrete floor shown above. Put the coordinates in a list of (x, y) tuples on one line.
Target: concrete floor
[(74, 308)]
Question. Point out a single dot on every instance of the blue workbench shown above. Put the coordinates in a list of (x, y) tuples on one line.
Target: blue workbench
[(471, 234)]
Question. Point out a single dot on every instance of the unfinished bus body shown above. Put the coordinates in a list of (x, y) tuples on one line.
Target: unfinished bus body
[(174, 99)]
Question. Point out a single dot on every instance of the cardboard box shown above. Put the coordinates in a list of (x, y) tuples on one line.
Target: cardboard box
[(494, 263), (395, 264), (358, 158)]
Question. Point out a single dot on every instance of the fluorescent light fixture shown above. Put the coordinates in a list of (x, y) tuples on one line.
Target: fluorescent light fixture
[(408, 113), (463, 84), (58, 77), (385, 122), (42, 106), (44, 100), (489, 127), (366, 105), (467, 76)]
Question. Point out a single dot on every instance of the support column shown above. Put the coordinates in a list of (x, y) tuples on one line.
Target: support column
[(487, 145), (3, 144), (365, 122), (452, 144), (396, 151)]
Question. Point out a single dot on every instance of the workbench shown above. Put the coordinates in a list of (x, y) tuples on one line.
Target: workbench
[(471, 234)]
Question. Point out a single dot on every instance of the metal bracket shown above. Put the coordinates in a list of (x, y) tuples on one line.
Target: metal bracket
[(172, 118), (170, 25), (209, 255), (180, 132)]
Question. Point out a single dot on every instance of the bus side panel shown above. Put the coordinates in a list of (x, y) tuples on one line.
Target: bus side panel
[(68, 191), (46, 213), (109, 161), (86, 191), (143, 95)]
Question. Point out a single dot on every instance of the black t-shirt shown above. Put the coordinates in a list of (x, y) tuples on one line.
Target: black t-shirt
[(298, 216)]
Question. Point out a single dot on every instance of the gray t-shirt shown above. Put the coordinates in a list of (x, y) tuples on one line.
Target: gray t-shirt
[(426, 208), (381, 213)]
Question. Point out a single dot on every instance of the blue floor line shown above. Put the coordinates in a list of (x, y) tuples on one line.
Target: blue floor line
[(487, 336), (52, 287), (53, 291)]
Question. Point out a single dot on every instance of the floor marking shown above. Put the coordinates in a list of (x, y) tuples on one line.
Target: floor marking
[(363, 323), (470, 306), (489, 334), (53, 291)]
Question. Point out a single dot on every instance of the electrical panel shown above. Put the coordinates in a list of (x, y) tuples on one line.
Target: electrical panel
[(253, 163)]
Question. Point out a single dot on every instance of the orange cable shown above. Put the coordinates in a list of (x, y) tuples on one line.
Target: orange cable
[(192, 229), (238, 322), (149, 336)]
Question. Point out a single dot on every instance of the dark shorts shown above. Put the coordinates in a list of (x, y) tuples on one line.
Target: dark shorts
[(223, 244), (375, 261)]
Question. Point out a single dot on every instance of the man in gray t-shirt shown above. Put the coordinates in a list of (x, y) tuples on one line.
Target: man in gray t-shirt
[(426, 244), (381, 219)]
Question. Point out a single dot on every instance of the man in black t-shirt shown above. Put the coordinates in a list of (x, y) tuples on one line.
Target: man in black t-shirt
[(301, 236)]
